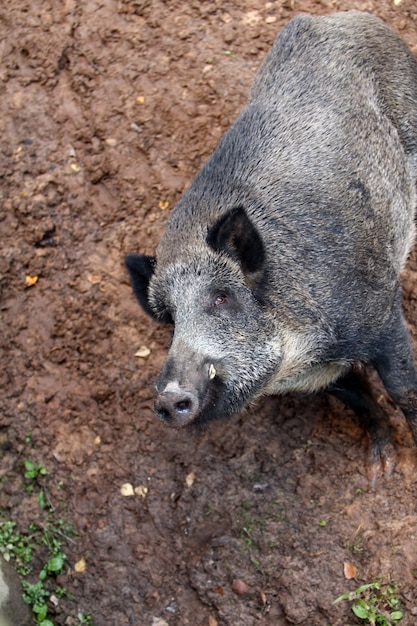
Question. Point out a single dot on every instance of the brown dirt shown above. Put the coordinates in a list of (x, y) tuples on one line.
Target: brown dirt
[(108, 109)]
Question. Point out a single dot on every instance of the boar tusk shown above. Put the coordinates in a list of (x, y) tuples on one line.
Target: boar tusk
[(212, 371)]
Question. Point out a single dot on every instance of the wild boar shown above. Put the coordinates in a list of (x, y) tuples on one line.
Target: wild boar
[(279, 266)]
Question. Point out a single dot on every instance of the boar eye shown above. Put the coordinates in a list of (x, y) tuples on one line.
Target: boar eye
[(219, 299)]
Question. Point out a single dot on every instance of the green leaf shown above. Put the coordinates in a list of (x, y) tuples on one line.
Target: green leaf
[(361, 609), (41, 499), (41, 610), (30, 469), (396, 615), (56, 563), (345, 596), (367, 586)]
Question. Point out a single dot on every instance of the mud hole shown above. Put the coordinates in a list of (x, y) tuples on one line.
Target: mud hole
[(107, 111)]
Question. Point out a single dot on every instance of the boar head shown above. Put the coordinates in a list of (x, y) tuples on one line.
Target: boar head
[(213, 291)]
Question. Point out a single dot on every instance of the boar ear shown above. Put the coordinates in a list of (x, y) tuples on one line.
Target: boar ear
[(235, 234), (140, 268)]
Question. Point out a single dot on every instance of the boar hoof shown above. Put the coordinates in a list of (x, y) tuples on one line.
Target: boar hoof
[(382, 461), (177, 408)]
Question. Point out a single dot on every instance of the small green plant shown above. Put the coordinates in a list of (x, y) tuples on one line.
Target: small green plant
[(39, 551), (250, 526), (33, 470), (37, 596), (22, 548), (14, 545), (246, 535), (357, 547), (376, 602), (257, 564)]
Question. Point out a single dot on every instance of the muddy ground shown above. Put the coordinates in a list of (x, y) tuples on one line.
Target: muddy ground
[(108, 109)]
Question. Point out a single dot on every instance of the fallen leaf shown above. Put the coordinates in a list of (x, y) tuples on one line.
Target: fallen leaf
[(110, 141), (397, 2), (189, 480), (97, 440), (127, 490), (94, 279), (212, 621), (141, 491), (349, 571), (80, 566), (163, 204), (143, 352), (140, 99), (75, 167), (31, 280)]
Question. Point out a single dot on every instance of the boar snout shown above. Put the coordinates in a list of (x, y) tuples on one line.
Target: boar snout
[(187, 388), (176, 406)]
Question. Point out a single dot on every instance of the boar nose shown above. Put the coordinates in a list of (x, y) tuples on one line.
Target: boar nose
[(176, 406)]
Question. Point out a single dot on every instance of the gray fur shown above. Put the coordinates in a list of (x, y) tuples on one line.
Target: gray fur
[(322, 164)]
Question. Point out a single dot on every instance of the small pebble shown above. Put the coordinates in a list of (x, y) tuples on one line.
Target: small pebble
[(239, 587)]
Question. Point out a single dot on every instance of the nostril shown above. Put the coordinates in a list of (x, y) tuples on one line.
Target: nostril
[(177, 408), (183, 406), (164, 409), (163, 413)]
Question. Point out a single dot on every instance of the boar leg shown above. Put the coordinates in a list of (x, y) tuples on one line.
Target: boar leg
[(354, 390), (394, 363)]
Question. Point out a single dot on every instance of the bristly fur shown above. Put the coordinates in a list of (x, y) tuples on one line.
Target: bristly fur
[(280, 264)]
